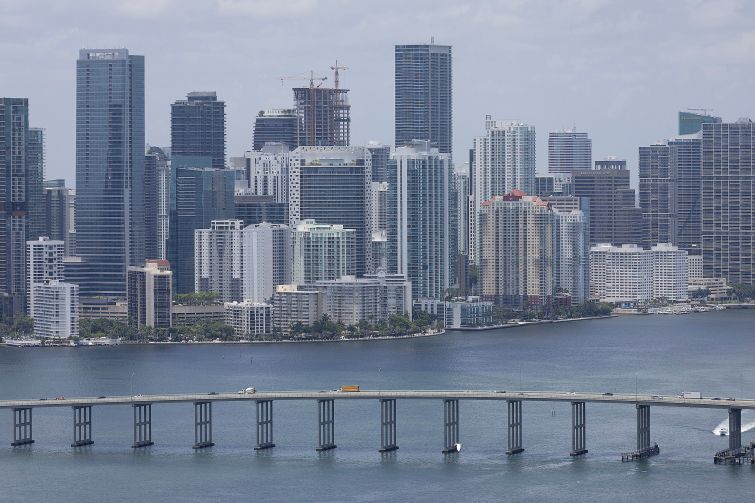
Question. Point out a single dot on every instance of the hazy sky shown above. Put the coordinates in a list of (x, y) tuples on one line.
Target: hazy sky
[(620, 70)]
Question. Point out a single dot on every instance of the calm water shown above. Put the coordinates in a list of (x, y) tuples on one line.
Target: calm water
[(711, 352)]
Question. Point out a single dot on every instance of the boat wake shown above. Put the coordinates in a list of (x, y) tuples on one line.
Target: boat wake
[(723, 428)]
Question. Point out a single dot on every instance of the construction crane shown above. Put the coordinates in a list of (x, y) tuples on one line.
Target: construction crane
[(335, 72), (312, 79)]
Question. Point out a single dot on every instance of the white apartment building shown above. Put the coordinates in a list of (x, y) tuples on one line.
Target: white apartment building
[(266, 261), (322, 252), (249, 318), (670, 273), (56, 309), (267, 171), (44, 262), (218, 264)]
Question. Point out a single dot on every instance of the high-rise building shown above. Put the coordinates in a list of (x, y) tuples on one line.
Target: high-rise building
[(614, 218), (656, 201), (670, 273), (685, 160), (519, 251), (573, 248), (56, 205), (322, 252), (14, 137), (267, 260), (150, 294), (381, 154), (199, 195), (419, 180), (728, 201), (267, 171), (568, 151), (218, 260), (324, 116), (35, 162), (156, 176), (503, 160), (56, 310), (276, 126), (691, 123), (109, 168), (197, 127), (333, 185), (44, 263), (423, 95), (253, 209)]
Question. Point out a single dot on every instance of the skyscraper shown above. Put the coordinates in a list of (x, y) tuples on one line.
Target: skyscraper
[(35, 162), (573, 248), (656, 195), (109, 168), (44, 263), (381, 154), (503, 160), (728, 201), (691, 123), (685, 160), (276, 126), (322, 252), (324, 116), (197, 127), (55, 205), (14, 137), (419, 181), (267, 260), (218, 260), (614, 218), (569, 150), (199, 195), (155, 167), (333, 185), (150, 294), (423, 95)]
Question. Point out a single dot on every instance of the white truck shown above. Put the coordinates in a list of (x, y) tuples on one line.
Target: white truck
[(692, 394)]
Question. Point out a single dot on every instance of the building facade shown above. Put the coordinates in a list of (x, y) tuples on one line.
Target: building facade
[(621, 274), (58, 214), (249, 318), (293, 304), (568, 151), (518, 252), (728, 201), (197, 127), (333, 185), (276, 126), (573, 242), (423, 96), (322, 252), (691, 123), (109, 168), (150, 294), (670, 272), (324, 116), (419, 242), (218, 260), (267, 260), (56, 310), (35, 163), (44, 263), (656, 195)]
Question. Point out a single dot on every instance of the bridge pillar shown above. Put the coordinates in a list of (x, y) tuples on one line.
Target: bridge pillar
[(388, 425), (515, 427), (644, 449), (450, 426), (82, 425), (735, 428), (22, 426), (579, 429), (142, 425), (264, 425), (326, 421), (202, 425)]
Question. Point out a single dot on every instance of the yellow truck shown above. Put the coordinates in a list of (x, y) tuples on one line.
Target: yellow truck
[(351, 388)]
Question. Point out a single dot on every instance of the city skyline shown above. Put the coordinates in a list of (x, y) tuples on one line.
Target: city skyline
[(622, 96)]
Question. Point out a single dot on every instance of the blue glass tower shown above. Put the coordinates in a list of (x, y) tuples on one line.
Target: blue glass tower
[(109, 168)]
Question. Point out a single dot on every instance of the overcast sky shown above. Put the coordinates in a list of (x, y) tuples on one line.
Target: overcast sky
[(620, 70)]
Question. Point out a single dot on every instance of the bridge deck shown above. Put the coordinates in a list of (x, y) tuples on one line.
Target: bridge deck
[(542, 396)]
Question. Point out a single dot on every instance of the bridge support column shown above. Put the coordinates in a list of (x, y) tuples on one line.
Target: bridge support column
[(515, 427), (644, 449), (142, 425), (388, 425), (326, 420), (264, 425), (202, 425), (735, 429), (450, 426), (82, 425), (579, 429), (22, 426)]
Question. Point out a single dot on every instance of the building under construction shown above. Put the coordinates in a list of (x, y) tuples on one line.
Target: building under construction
[(325, 116)]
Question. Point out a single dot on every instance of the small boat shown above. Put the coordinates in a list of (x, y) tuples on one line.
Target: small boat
[(723, 432)]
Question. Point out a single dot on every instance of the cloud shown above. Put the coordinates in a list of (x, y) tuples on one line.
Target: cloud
[(267, 8)]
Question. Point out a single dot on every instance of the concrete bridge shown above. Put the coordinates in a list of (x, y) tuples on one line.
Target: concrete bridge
[(203, 402)]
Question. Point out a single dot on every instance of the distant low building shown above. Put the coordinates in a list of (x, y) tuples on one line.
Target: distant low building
[(459, 313), (104, 309), (249, 318), (187, 315), (293, 304)]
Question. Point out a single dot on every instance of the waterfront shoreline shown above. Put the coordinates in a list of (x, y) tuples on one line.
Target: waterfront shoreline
[(529, 323)]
